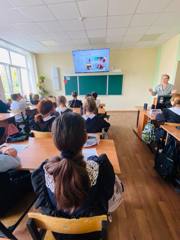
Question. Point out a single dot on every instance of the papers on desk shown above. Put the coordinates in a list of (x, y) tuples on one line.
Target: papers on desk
[(154, 112), (18, 147), (89, 152), (91, 141)]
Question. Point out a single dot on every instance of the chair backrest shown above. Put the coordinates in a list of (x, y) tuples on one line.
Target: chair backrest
[(68, 226), (172, 124), (38, 134)]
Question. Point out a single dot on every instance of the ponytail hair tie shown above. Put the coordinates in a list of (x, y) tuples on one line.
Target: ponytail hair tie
[(67, 154)]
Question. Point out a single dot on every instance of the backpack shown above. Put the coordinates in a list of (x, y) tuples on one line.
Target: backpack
[(14, 185), (117, 197), (148, 134), (165, 161), (19, 137)]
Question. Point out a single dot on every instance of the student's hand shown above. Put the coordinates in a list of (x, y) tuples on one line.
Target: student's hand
[(173, 91), (11, 152)]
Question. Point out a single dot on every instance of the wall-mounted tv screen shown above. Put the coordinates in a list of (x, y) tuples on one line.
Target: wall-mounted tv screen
[(91, 61)]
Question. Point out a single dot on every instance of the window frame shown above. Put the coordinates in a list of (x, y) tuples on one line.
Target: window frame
[(8, 66)]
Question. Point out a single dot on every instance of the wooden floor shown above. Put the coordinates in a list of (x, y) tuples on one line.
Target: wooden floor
[(151, 207)]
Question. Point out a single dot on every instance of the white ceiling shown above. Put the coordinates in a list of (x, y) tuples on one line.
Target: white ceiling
[(62, 25)]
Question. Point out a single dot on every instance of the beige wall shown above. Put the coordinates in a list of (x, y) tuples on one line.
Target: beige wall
[(167, 59), (177, 79), (137, 65)]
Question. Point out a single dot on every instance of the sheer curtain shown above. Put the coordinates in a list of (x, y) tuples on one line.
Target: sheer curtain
[(2, 97)]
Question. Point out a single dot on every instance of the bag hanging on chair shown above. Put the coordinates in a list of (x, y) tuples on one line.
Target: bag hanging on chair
[(117, 197)]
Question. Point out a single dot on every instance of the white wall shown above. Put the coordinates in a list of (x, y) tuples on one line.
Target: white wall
[(137, 65)]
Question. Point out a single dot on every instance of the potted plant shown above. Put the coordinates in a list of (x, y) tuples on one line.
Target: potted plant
[(41, 86)]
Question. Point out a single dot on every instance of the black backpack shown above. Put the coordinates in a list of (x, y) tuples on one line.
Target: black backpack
[(165, 161), (14, 185)]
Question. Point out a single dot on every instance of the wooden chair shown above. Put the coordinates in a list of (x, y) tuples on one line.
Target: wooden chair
[(38, 224), (38, 134)]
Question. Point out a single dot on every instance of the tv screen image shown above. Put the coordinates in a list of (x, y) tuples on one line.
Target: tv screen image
[(90, 61)]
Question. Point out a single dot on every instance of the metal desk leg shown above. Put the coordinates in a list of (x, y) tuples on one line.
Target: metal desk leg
[(5, 232)]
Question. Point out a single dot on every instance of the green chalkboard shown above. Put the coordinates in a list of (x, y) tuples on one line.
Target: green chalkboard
[(115, 84), (91, 83), (88, 84), (70, 84)]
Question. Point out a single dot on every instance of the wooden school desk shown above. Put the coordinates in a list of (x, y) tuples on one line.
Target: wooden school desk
[(4, 117), (32, 107), (172, 130), (39, 150), (76, 110)]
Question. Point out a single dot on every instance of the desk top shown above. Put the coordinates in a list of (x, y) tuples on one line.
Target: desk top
[(76, 110), (150, 116), (6, 116), (172, 130), (32, 107), (39, 150)]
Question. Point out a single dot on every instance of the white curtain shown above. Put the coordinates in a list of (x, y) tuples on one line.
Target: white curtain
[(2, 96), (33, 72)]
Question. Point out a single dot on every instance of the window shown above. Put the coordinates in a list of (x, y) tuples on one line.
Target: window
[(18, 59), (4, 56), (16, 72), (15, 80), (25, 81), (4, 79)]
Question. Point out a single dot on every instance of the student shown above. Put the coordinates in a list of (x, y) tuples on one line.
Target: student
[(94, 123), (171, 114), (14, 183), (67, 185), (53, 100), (45, 117), (9, 160), (164, 88), (75, 103), (95, 95), (34, 99), (61, 102), (87, 95), (19, 106), (3, 107)]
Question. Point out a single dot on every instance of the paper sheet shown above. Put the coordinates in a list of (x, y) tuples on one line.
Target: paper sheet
[(19, 147), (89, 152)]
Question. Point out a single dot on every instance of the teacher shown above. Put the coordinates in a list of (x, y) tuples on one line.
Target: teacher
[(163, 89)]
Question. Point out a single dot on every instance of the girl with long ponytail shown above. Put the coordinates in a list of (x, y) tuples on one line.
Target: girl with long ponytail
[(69, 185)]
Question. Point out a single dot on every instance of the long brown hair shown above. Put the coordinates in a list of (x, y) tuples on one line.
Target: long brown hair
[(69, 170)]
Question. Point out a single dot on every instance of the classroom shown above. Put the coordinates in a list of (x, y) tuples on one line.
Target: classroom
[(89, 119)]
